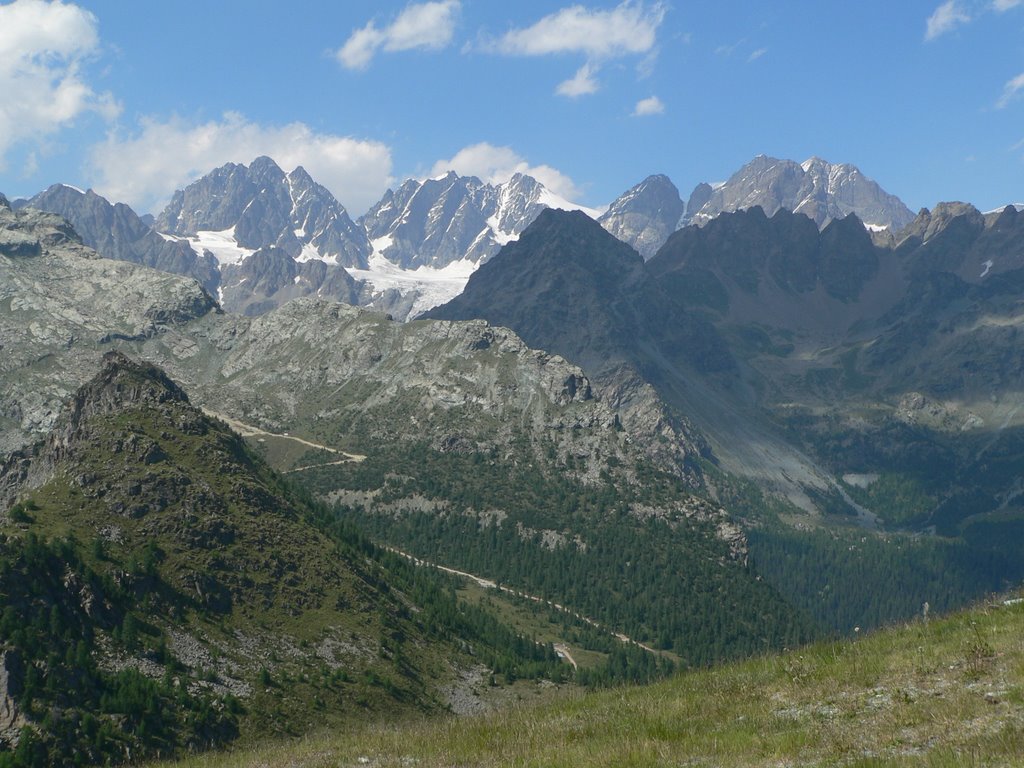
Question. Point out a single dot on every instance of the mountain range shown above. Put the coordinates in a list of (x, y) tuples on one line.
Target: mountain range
[(684, 437), (256, 237)]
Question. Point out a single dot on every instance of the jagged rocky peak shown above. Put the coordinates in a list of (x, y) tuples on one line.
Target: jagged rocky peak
[(455, 218), (4, 202), (646, 215), (821, 190), (929, 223), (121, 383), (259, 205)]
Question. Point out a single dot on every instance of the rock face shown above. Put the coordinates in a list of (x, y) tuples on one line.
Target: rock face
[(11, 719), (276, 236), (58, 298), (62, 307), (816, 188), (569, 286), (116, 232), (646, 215), (266, 207), (454, 218)]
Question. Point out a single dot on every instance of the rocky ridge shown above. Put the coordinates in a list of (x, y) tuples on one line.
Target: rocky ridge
[(816, 188), (454, 218), (118, 233)]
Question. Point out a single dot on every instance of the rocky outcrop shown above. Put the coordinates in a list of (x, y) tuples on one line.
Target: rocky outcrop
[(60, 306), (11, 719), (270, 277)]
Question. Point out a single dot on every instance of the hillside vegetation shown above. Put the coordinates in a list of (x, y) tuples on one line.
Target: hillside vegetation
[(947, 692)]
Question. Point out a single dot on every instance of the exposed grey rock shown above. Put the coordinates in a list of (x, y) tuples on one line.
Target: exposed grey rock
[(646, 215), (61, 306), (816, 188), (11, 719), (270, 277), (307, 363), (451, 218), (116, 232), (267, 207)]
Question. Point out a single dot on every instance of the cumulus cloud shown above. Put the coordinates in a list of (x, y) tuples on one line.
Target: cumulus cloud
[(946, 18), (43, 48), (629, 29), (649, 106), (1010, 90), (496, 165), (424, 25), (582, 83), (144, 169)]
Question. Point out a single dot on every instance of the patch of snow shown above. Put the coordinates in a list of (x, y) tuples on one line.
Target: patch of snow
[(1018, 206), (220, 295), (299, 232), (500, 236), (171, 238), (222, 245), (298, 279), (310, 253), (72, 186), (988, 267), (434, 286), (551, 200), (876, 227)]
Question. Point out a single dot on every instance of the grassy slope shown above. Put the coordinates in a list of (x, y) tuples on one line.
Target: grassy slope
[(947, 692)]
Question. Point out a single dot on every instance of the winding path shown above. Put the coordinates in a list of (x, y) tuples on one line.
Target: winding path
[(247, 430), (489, 584)]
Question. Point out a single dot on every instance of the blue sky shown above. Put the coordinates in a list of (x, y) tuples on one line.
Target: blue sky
[(135, 99)]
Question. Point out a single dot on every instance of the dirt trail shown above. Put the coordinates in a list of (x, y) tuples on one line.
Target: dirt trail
[(488, 584), (563, 651), (247, 430)]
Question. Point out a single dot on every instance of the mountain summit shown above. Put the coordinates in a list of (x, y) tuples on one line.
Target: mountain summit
[(263, 206), (820, 190), (453, 218)]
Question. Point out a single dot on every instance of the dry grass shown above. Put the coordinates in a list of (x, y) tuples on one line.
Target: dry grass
[(949, 692)]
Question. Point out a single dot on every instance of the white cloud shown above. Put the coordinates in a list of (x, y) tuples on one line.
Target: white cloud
[(145, 169), (582, 83), (496, 165), (1005, 5), (946, 18), (649, 106), (1010, 90), (43, 46), (424, 25), (629, 28), (757, 54)]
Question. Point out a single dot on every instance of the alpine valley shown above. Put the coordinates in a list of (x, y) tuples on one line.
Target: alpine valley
[(266, 469)]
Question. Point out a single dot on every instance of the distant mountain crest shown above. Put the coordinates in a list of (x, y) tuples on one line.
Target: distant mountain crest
[(263, 206), (451, 218), (646, 215), (821, 190)]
